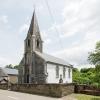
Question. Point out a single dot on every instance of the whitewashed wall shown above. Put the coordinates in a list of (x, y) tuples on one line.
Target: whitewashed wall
[(51, 70)]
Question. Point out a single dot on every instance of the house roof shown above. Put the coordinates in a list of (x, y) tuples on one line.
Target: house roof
[(2, 73), (3, 79), (52, 59), (9, 71)]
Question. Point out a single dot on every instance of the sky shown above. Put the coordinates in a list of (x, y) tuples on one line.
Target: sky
[(70, 33)]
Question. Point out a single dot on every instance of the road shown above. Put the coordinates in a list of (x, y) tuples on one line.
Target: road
[(10, 95)]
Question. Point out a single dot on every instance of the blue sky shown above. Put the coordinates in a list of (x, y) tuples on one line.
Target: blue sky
[(78, 23)]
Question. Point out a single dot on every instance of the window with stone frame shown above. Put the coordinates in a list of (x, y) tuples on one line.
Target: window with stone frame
[(64, 72), (69, 73), (28, 43), (37, 43), (57, 71)]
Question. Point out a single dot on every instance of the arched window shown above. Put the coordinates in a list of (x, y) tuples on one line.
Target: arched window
[(28, 43), (64, 72), (69, 72), (37, 44), (57, 71)]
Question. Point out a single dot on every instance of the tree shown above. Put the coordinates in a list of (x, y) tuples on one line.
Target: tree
[(76, 75), (16, 67), (97, 75), (94, 57), (84, 76), (86, 70), (12, 67), (9, 66)]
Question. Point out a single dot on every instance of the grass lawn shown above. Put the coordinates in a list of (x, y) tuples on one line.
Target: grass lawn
[(86, 97)]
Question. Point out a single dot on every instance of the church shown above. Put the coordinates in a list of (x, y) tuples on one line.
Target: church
[(38, 67)]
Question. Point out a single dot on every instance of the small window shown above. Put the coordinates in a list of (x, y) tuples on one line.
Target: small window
[(64, 72), (37, 44), (57, 71), (69, 72), (28, 43)]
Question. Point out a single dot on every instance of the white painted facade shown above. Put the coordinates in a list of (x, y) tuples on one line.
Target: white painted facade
[(52, 78)]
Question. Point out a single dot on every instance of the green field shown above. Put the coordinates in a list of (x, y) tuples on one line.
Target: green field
[(86, 97)]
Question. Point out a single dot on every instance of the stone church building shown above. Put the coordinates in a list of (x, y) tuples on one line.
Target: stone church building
[(38, 67)]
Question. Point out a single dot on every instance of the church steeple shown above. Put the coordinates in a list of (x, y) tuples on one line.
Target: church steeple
[(32, 24), (34, 27), (33, 40)]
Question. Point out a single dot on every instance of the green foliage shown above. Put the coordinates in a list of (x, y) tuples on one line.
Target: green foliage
[(94, 57), (9, 66), (84, 76), (16, 66), (90, 76), (12, 67), (85, 70), (75, 74), (97, 75)]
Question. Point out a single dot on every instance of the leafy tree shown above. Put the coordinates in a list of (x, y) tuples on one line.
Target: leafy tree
[(12, 67), (9, 66), (97, 74), (84, 76), (94, 57), (16, 67), (85, 70), (76, 75)]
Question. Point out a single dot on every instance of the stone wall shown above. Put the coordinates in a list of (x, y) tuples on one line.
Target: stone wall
[(53, 90), (4, 86), (67, 89), (85, 89)]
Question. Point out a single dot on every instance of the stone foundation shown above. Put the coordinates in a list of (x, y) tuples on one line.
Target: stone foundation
[(4, 86), (53, 90)]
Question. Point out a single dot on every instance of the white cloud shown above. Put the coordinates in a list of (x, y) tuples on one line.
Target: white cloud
[(85, 66), (4, 62), (81, 17), (47, 41), (44, 34), (24, 28), (4, 19), (76, 55)]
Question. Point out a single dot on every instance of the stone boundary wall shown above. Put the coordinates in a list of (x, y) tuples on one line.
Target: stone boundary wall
[(4, 86), (53, 90), (86, 89)]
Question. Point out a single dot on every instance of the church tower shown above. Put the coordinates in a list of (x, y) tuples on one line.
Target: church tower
[(32, 43)]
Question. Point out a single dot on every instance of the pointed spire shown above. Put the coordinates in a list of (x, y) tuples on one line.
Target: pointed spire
[(34, 24)]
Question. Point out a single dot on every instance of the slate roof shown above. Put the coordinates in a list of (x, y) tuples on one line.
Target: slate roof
[(2, 73), (3, 79), (52, 59), (9, 71)]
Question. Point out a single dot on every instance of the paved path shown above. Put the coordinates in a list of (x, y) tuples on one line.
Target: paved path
[(10, 95)]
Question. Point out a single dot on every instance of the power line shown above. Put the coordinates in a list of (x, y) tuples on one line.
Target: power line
[(53, 20)]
